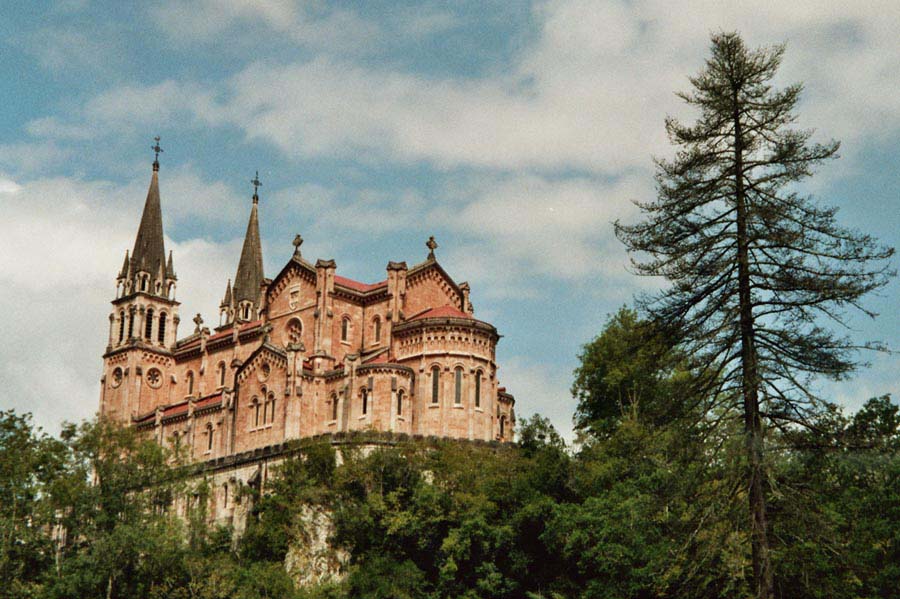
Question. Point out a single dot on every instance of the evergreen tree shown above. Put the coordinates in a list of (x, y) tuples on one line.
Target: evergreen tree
[(755, 267)]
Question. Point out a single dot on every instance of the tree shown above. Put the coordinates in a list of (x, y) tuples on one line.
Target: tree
[(630, 368), (29, 463), (115, 500), (756, 268)]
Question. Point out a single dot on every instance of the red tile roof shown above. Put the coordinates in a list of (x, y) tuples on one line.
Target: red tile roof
[(356, 285), (179, 408), (221, 334), (442, 312)]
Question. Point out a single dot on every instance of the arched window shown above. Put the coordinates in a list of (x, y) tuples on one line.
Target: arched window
[(271, 402), (131, 324), (334, 406), (161, 333), (254, 406), (148, 326), (435, 383), (502, 426), (245, 311), (457, 389), (478, 389), (400, 402), (121, 326), (365, 400), (220, 373), (345, 329), (209, 437), (294, 331), (189, 377), (224, 495), (376, 326), (143, 282)]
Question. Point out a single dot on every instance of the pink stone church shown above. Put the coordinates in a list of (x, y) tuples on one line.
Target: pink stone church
[(305, 353)]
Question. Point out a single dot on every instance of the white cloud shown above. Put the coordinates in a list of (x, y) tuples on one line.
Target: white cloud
[(521, 228), (590, 93), (63, 241), (539, 390), (70, 50), (243, 22)]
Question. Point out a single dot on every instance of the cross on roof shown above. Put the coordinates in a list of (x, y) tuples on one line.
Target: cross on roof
[(156, 149), (256, 184), (432, 245), (298, 241)]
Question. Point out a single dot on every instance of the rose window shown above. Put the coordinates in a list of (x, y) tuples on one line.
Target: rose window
[(154, 378)]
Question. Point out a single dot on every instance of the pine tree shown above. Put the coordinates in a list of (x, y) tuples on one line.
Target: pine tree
[(756, 269)]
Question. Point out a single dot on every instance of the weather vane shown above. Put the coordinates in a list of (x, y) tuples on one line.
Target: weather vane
[(155, 147)]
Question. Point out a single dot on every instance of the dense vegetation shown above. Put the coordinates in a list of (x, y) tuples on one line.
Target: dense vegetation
[(649, 503)]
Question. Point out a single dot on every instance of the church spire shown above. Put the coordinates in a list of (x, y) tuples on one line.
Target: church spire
[(149, 253), (249, 275), (170, 268)]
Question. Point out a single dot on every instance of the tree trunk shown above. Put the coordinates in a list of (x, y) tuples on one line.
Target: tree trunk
[(762, 568)]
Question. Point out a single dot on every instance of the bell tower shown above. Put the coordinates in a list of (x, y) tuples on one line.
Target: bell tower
[(138, 367)]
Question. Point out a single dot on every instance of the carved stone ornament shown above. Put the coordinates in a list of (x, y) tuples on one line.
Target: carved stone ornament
[(154, 378), (263, 372), (116, 377)]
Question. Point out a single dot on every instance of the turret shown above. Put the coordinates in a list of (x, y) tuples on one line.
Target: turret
[(242, 301)]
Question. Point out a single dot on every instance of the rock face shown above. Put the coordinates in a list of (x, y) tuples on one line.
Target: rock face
[(311, 559)]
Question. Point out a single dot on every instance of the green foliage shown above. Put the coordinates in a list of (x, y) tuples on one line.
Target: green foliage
[(30, 463), (632, 368), (642, 510)]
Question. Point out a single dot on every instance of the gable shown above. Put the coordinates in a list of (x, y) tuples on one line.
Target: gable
[(431, 287), (293, 289), (263, 366)]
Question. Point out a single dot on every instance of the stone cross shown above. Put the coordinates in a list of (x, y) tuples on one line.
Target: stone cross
[(198, 320), (432, 245), (298, 241)]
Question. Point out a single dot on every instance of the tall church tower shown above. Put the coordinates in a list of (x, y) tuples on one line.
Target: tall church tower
[(243, 299), (138, 366)]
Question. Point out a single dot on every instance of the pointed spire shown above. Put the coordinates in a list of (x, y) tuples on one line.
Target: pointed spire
[(226, 301), (170, 268), (149, 252), (124, 272), (250, 268)]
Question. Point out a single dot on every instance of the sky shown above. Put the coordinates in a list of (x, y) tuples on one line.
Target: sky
[(514, 132)]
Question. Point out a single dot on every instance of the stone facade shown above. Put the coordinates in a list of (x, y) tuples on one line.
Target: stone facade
[(306, 353)]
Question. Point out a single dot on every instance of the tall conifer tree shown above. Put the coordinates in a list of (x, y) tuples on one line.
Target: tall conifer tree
[(757, 269)]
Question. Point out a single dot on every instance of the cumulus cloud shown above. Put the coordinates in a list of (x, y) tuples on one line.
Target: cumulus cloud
[(308, 24), (547, 392), (540, 227), (63, 242), (590, 93)]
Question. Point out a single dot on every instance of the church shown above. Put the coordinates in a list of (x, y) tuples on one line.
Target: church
[(305, 353)]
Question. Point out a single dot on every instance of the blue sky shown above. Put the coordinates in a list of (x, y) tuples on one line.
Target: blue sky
[(514, 132)]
